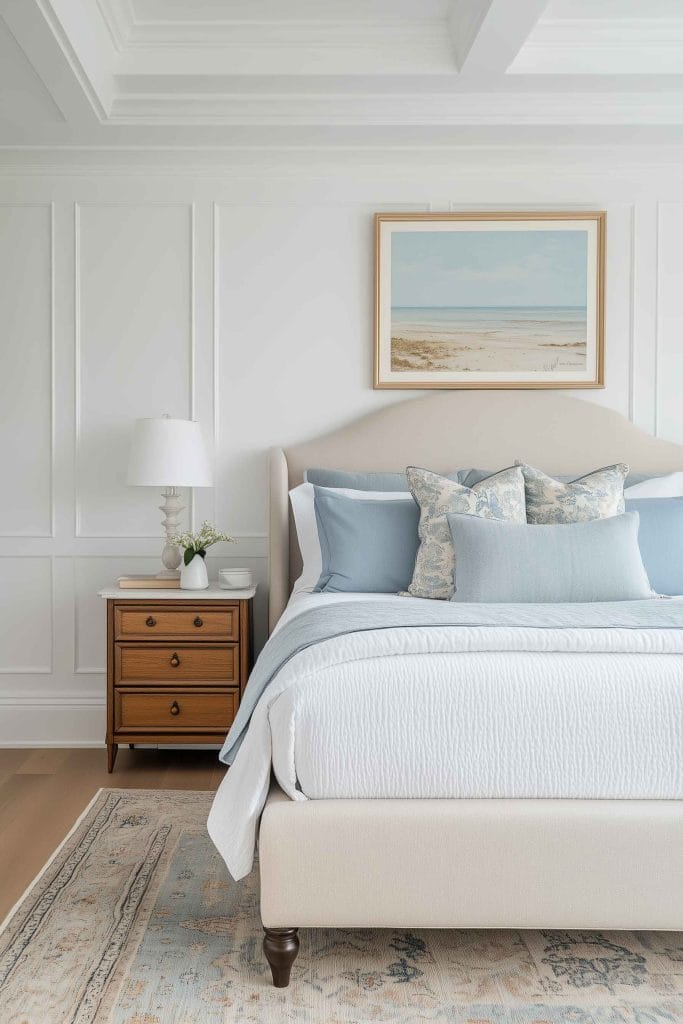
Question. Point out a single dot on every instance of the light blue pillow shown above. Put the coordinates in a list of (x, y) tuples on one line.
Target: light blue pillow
[(661, 541), (364, 481), (548, 563), (367, 545)]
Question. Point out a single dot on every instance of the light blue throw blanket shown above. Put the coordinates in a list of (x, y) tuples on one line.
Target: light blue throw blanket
[(316, 625)]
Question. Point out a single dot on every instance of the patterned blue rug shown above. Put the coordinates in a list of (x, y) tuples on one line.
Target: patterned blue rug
[(136, 921)]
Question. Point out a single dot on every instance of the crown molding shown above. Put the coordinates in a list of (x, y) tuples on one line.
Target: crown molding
[(429, 109), (396, 162)]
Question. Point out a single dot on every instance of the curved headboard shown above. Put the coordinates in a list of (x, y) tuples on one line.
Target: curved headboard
[(457, 430)]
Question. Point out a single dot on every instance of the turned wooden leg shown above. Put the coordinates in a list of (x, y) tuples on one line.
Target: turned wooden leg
[(112, 751), (281, 946)]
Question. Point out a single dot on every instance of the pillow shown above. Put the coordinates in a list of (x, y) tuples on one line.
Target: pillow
[(364, 481), (470, 477), (302, 499), (367, 545), (514, 562), (499, 497), (661, 540), (595, 496), (670, 486)]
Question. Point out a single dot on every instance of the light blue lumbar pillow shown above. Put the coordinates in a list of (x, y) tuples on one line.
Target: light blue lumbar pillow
[(367, 545), (365, 481), (661, 541), (515, 562)]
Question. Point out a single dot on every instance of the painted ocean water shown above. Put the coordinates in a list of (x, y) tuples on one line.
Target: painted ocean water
[(488, 338)]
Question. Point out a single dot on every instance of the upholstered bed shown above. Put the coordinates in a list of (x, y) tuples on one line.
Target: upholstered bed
[(559, 803)]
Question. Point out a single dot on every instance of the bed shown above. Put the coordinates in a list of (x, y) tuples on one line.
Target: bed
[(560, 803)]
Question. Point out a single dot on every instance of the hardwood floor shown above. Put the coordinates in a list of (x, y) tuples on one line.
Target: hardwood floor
[(43, 791)]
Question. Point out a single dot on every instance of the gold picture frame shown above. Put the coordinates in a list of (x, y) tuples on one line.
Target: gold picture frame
[(535, 315)]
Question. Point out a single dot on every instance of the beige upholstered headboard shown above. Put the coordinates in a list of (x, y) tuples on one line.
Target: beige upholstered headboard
[(457, 430)]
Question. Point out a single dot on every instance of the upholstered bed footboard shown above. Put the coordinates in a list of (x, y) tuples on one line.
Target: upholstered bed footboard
[(604, 864)]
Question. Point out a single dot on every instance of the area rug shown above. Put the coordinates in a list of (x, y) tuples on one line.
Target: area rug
[(136, 921)]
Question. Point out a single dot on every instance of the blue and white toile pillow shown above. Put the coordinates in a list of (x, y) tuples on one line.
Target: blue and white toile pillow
[(500, 496), (597, 495)]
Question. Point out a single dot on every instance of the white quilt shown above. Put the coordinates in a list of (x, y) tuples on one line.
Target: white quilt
[(477, 712)]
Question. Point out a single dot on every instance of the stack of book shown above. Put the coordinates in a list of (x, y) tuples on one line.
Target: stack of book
[(143, 582)]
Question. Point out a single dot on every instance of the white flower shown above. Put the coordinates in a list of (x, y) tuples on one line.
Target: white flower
[(197, 543)]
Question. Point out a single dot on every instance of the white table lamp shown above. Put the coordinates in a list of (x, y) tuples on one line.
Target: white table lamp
[(169, 453)]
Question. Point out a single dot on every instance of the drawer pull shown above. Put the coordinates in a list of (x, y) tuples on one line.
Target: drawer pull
[(198, 622), (175, 708), (150, 621), (175, 660)]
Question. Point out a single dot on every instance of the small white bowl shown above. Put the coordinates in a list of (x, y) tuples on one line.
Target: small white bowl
[(235, 579)]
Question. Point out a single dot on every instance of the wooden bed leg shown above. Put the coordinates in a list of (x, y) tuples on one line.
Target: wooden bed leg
[(281, 946)]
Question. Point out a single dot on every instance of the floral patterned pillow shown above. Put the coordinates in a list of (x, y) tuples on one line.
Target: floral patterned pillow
[(597, 495), (500, 496)]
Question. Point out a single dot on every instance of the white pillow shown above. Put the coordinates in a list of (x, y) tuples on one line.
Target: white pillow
[(670, 486), (302, 499)]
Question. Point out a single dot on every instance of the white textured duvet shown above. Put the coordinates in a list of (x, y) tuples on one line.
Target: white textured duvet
[(478, 711)]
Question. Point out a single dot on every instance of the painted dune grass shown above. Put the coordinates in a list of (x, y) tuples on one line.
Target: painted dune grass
[(489, 339)]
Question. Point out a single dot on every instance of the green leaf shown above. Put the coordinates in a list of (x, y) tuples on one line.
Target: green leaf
[(202, 552), (189, 555)]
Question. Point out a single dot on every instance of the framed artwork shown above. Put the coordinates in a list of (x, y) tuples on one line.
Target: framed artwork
[(489, 300)]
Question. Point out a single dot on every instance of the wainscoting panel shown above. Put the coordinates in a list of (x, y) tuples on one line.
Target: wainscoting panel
[(26, 600), (669, 340), (134, 350), (243, 299), (26, 398)]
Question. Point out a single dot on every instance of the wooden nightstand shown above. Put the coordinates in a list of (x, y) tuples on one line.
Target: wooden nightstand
[(177, 663)]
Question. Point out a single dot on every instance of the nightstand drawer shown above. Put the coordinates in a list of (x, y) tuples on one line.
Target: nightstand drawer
[(161, 623), (177, 663), (174, 710)]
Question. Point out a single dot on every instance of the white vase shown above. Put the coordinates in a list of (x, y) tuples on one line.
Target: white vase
[(194, 576)]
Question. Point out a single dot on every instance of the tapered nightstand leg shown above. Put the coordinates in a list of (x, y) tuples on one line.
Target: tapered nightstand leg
[(281, 946), (112, 751)]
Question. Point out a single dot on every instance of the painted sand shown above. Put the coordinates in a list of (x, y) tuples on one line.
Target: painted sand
[(488, 339)]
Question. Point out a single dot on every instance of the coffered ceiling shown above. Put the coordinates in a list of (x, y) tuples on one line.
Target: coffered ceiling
[(361, 72)]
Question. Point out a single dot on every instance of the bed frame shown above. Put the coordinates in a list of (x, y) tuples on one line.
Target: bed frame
[(606, 864)]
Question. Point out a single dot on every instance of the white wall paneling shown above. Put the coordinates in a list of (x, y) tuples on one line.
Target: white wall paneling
[(134, 350), (239, 294), (26, 381), (669, 337), (26, 600)]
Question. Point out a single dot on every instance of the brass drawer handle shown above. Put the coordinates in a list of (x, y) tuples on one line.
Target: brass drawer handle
[(175, 660), (198, 622), (150, 621), (175, 708)]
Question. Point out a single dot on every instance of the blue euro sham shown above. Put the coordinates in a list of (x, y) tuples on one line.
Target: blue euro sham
[(661, 541), (367, 545), (365, 481)]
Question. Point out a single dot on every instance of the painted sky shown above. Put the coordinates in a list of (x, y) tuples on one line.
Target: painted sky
[(491, 268)]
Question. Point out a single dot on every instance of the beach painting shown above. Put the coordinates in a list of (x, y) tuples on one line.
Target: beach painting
[(489, 300)]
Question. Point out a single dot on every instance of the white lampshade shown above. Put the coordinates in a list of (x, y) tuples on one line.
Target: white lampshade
[(168, 453)]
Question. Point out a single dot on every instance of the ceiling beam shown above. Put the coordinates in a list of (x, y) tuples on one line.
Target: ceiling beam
[(488, 34)]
